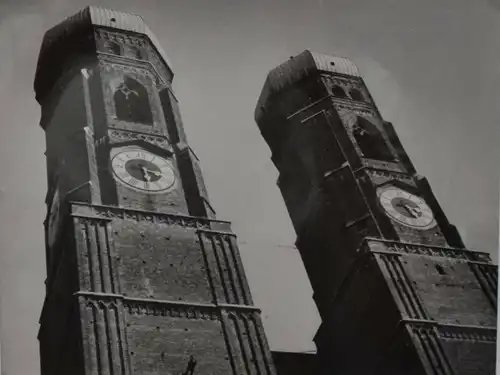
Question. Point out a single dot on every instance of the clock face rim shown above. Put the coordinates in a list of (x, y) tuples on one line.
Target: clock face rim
[(166, 165), (53, 219), (392, 213)]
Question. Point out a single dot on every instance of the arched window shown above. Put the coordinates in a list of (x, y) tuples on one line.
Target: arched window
[(132, 102), (113, 47), (371, 141), (134, 52), (357, 95), (338, 92)]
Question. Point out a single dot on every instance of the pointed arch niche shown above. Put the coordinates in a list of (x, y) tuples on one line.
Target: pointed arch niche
[(113, 47), (131, 100), (357, 95), (134, 52), (370, 140), (338, 91)]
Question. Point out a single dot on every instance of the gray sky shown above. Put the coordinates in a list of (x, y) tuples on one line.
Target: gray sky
[(431, 65)]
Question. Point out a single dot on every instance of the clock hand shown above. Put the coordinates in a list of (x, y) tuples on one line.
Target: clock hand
[(415, 211), (154, 173), (404, 207), (145, 173)]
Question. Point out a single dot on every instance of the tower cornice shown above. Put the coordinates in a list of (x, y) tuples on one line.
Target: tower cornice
[(94, 211)]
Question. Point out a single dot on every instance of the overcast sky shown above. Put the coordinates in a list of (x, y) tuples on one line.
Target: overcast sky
[(431, 65)]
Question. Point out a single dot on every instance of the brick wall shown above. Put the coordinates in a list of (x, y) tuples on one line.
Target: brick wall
[(160, 344), (449, 290), (160, 262), (471, 356)]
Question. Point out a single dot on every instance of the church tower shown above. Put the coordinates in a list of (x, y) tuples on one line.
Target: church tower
[(396, 290), (141, 277)]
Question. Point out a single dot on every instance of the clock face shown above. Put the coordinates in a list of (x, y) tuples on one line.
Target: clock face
[(53, 220), (142, 170), (406, 208)]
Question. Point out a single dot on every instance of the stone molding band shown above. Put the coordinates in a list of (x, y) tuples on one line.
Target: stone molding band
[(143, 306)]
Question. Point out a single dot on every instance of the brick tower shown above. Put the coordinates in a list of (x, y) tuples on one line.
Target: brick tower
[(396, 290), (141, 277)]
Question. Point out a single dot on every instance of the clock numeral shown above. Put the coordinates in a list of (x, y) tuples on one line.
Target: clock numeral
[(168, 172), (122, 173), (133, 181)]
